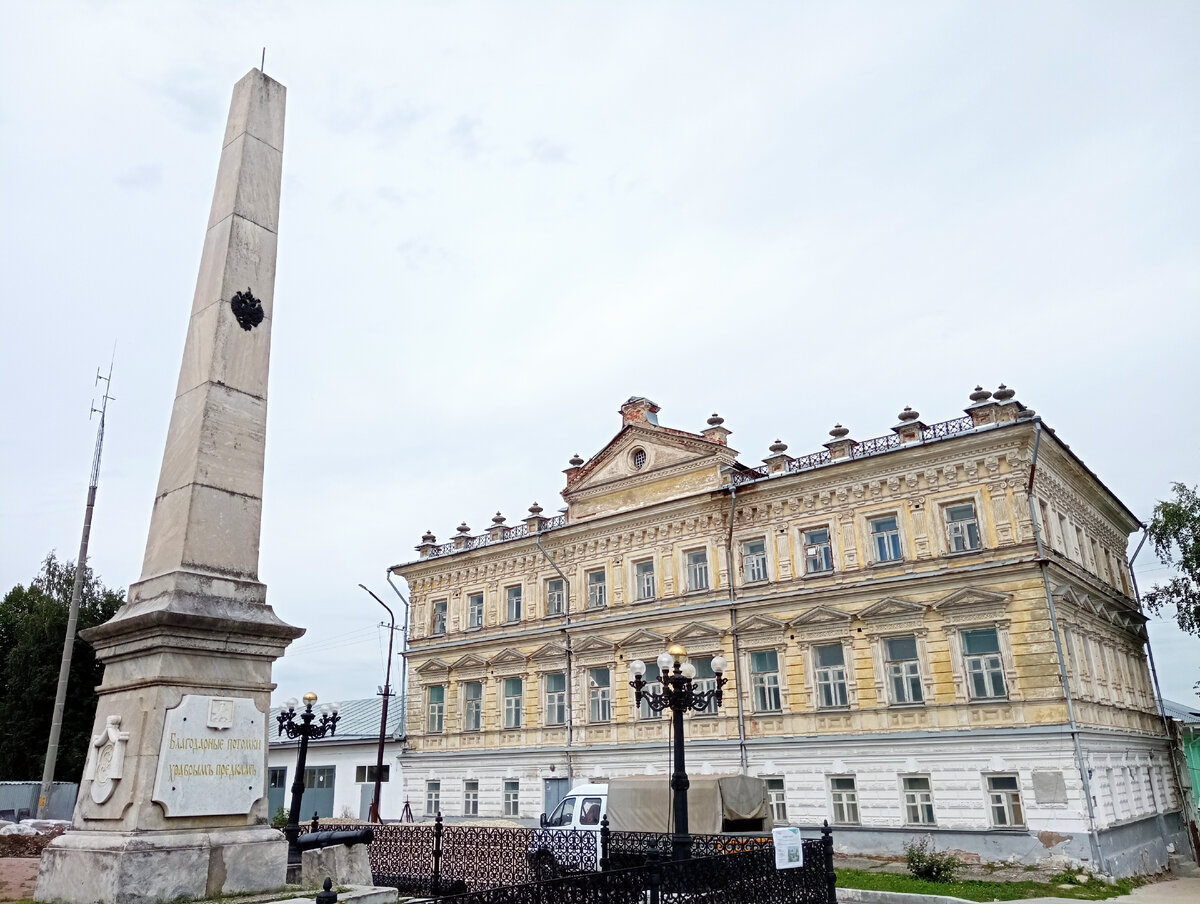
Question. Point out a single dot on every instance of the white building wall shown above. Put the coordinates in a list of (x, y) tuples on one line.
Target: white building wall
[(345, 758)]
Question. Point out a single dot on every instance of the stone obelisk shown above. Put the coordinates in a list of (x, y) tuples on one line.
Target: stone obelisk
[(173, 799)]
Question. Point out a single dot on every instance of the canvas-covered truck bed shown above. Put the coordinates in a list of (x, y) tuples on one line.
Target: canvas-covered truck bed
[(716, 803)]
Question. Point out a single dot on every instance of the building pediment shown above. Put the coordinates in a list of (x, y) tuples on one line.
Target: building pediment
[(643, 464), (509, 660), (643, 638), (761, 629), (433, 668), (469, 663), (697, 634), (893, 612), (549, 651), (821, 618), (593, 645)]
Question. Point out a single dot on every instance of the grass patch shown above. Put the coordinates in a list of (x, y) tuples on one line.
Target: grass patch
[(980, 889)]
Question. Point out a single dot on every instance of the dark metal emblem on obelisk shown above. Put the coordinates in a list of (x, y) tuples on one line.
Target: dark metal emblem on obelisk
[(247, 309)]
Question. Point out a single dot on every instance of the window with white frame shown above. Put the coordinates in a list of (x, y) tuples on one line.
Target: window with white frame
[(903, 669), (514, 689), (764, 681), (985, 667), (643, 575), (556, 698), (818, 552), (597, 589), (599, 695), (962, 527), (696, 562), (843, 795), (918, 800), (471, 798), (512, 608), (438, 622), (512, 797), (473, 706), (556, 596), (705, 680), (437, 708), (644, 710), (830, 662), (433, 798), (754, 561), (475, 610), (885, 538), (1004, 800), (777, 798)]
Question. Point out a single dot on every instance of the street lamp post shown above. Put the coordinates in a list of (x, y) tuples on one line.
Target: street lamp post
[(304, 729), (679, 695)]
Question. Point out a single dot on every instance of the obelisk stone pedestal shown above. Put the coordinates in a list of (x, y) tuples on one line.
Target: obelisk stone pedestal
[(173, 800)]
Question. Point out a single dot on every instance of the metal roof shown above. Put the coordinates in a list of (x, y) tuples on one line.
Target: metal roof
[(1181, 712), (359, 720)]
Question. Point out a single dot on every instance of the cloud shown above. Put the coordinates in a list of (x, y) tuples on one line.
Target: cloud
[(144, 176)]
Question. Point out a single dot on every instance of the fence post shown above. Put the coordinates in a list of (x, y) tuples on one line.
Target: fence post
[(604, 841), (653, 873), (437, 852), (830, 875)]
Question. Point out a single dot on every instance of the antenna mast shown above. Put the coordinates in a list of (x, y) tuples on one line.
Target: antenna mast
[(64, 669)]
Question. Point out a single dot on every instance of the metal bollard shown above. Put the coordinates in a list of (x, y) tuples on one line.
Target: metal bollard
[(328, 896)]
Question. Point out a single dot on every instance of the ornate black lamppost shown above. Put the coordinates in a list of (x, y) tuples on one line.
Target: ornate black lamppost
[(679, 695), (302, 729)]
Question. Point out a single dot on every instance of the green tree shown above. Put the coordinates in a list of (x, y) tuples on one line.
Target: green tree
[(33, 623), (1175, 532)]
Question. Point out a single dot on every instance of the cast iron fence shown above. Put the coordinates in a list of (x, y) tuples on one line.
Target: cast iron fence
[(490, 865)]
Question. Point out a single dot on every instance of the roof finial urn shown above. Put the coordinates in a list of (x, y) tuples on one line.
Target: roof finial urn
[(980, 395), (535, 510), (575, 461), (908, 415), (777, 447), (839, 431), (497, 519), (716, 420), (1003, 394), (463, 529), (428, 537)]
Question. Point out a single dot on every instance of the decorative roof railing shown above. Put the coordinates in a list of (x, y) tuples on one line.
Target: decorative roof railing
[(865, 449)]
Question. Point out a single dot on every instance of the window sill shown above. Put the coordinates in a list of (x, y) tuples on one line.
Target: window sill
[(769, 712), (986, 700), (506, 624), (957, 553), (890, 563), (918, 705), (833, 709), (821, 574), (474, 628)]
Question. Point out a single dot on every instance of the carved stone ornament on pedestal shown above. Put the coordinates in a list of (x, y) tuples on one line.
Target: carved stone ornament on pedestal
[(106, 759)]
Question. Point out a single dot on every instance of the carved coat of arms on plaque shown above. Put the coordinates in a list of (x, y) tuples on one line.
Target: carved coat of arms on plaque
[(106, 759)]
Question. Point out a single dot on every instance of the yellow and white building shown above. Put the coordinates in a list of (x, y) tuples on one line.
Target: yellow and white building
[(930, 632)]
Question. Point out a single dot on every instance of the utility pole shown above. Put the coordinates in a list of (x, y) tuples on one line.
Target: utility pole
[(64, 668)]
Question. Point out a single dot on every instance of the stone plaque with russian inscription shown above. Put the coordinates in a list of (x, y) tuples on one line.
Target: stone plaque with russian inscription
[(213, 757)]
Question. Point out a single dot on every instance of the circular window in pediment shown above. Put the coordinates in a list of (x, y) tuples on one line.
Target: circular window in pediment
[(638, 458)]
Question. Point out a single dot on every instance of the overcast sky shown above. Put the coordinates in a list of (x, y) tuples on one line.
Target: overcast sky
[(501, 220)]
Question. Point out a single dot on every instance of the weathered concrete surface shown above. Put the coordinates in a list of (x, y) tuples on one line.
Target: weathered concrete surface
[(344, 864)]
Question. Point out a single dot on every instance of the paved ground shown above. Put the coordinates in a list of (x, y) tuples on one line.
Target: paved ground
[(17, 877)]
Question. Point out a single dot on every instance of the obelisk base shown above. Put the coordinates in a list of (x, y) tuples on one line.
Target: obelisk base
[(83, 867)]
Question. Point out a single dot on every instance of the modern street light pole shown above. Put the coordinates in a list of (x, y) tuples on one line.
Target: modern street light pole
[(679, 695), (302, 730), (386, 693)]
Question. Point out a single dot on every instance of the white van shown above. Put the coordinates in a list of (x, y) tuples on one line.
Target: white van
[(642, 803)]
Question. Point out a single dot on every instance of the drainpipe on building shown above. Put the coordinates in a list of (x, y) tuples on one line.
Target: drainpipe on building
[(1172, 753), (737, 657), (1043, 563), (567, 635)]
